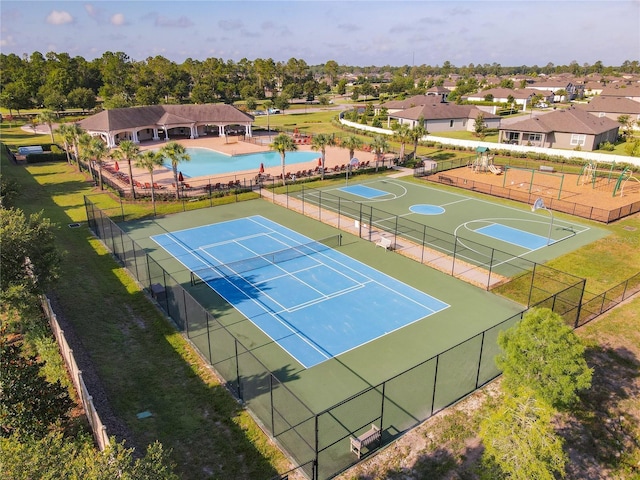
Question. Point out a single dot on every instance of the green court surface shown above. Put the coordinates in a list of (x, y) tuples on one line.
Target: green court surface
[(309, 411), (425, 213)]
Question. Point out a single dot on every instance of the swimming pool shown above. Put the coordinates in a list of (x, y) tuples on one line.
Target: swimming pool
[(205, 161)]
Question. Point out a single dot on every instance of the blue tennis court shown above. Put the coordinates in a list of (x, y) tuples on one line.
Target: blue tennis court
[(514, 236), (311, 299), (364, 191)]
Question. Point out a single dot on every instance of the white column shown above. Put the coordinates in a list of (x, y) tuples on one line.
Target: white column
[(221, 131), (155, 134), (194, 132), (135, 137), (247, 131), (111, 140), (166, 132)]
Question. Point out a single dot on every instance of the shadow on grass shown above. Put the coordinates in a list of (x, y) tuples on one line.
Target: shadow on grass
[(603, 430), (142, 363)]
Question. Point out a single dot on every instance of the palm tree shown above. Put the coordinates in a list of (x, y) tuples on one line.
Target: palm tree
[(321, 142), (48, 117), (353, 143), (150, 160), (67, 138), (417, 133), (401, 134), (84, 150), (281, 144), (98, 151), (70, 132), (129, 152), (176, 153), (379, 147)]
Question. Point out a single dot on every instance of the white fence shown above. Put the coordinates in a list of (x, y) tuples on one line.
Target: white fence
[(99, 430), (473, 144)]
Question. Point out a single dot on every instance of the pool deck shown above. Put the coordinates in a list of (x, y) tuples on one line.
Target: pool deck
[(232, 145)]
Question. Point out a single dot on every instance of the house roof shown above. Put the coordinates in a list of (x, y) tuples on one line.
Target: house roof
[(409, 102), (618, 90), (618, 105), (570, 120), (442, 111), (500, 92), (161, 115)]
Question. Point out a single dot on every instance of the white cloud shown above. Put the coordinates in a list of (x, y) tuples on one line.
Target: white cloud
[(90, 9), (118, 19), (59, 18), (8, 41)]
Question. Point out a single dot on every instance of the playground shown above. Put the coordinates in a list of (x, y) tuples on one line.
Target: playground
[(596, 185)]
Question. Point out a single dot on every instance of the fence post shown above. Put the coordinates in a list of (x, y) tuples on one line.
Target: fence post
[(480, 359)]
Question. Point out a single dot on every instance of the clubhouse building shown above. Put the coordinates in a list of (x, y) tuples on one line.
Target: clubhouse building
[(167, 122)]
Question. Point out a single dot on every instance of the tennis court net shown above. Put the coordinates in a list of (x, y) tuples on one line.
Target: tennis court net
[(225, 270)]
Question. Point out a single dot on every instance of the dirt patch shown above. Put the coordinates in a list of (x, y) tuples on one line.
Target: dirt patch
[(522, 184)]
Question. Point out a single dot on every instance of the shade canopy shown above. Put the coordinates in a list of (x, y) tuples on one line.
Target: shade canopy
[(116, 166), (261, 168), (180, 177)]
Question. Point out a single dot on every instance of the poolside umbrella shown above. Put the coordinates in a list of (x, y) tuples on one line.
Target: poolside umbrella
[(116, 166), (319, 161), (261, 168), (180, 177)]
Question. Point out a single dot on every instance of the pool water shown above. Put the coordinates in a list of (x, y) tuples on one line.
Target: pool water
[(209, 162)]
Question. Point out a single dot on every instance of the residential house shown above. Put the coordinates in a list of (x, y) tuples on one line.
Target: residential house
[(614, 107), (553, 86), (571, 128), (630, 91), (444, 117), (521, 97)]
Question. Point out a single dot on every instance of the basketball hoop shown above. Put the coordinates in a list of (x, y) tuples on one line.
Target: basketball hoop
[(539, 205)]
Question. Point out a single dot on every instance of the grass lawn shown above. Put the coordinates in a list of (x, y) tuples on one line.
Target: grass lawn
[(144, 364)]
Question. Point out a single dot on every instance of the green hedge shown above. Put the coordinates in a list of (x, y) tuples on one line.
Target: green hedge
[(46, 157)]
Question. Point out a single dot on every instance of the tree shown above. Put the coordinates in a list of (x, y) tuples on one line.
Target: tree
[(402, 134), (48, 117), (70, 132), (30, 261), (519, 439), (83, 98), (352, 143), (543, 354), (282, 144), (282, 102), (129, 152), (176, 153), (417, 132), (59, 456), (379, 147), (331, 70), (9, 192), (29, 404), (149, 160), (55, 101), (480, 126), (626, 122), (321, 142), (98, 151)]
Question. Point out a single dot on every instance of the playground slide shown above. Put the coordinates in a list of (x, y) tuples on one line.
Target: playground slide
[(495, 170)]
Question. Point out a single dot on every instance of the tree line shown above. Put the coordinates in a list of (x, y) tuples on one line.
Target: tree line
[(57, 81)]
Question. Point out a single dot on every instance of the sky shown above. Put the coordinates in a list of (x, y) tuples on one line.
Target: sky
[(350, 32)]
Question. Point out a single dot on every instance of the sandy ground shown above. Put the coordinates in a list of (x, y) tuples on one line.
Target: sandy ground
[(573, 189)]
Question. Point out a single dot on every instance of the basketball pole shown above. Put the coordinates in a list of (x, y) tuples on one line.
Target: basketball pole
[(539, 205)]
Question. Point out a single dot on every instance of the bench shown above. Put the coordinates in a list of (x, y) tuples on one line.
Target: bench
[(444, 179), (384, 242), (547, 168), (364, 440)]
